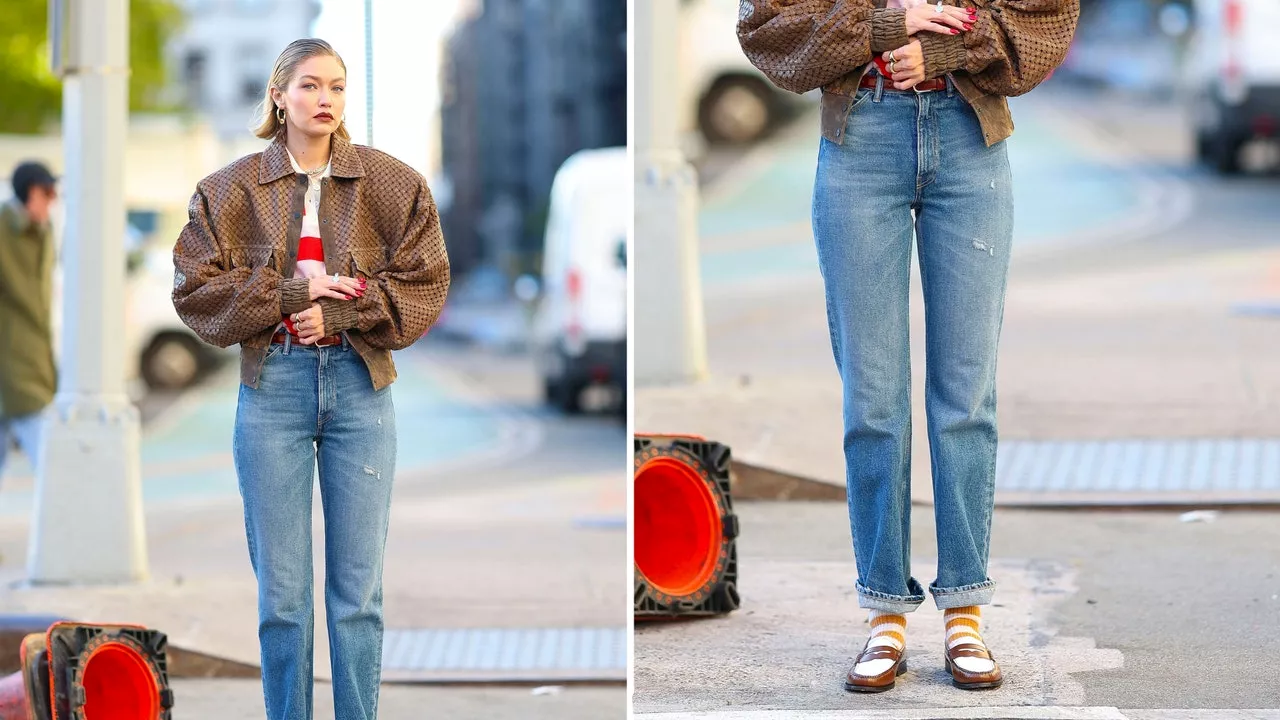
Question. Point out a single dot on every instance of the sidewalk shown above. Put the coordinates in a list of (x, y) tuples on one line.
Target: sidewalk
[(242, 700), (1082, 623)]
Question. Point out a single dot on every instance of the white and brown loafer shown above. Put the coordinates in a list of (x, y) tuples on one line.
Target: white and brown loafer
[(882, 680), (972, 678)]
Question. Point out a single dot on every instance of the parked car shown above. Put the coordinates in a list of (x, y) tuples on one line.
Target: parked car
[(579, 328), (162, 349), (1235, 78), (731, 100)]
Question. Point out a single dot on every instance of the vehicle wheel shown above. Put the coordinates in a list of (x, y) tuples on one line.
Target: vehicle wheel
[(1224, 154), (1204, 146), (563, 393), (737, 110), (569, 398), (172, 362)]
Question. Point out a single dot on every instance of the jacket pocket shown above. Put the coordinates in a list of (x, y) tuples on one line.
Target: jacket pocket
[(251, 256), (365, 263), (835, 109)]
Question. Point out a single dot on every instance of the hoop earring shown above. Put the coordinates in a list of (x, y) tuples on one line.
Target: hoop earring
[(280, 115)]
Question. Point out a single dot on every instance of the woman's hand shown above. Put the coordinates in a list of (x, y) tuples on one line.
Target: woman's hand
[(907, 65), (952, 20), (343, 288), (310, 324)]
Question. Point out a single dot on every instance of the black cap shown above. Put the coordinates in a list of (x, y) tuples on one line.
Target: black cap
[(31, 174)]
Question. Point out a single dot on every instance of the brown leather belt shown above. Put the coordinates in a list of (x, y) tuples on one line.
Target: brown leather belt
[(869, 81), (280, 336)]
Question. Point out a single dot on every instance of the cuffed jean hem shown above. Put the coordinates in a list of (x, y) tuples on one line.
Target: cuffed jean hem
[(963, 596), (884, 602)]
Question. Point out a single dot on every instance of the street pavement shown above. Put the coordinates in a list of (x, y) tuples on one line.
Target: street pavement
[(506, 517), (1126, 319)]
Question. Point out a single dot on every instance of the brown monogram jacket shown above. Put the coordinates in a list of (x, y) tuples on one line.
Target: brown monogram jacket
[(801, 45), (234, 259)]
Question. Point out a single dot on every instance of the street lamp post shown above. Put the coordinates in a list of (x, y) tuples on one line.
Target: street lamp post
[(368, 71), (88, 521), (669, 340)]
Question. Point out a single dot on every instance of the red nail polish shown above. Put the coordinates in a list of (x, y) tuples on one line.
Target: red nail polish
[(955, 31)]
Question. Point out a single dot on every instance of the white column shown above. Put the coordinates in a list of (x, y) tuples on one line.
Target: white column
[(368, 71), (88, 525), (669, 343)]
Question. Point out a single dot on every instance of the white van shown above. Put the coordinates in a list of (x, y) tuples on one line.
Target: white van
[(1234, 77), (579, 333)]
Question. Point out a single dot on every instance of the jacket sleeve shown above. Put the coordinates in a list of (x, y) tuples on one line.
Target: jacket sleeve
[(801, 45), (1012, 48), (225, 306), (403, 299)]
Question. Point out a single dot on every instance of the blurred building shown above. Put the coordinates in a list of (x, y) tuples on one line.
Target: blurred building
[(526, 84), (222, 57)]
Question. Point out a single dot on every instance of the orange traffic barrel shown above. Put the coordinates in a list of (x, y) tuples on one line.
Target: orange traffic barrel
[(686, 560), (108, 672)]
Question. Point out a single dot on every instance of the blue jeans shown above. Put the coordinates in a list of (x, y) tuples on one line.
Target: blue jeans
[(916, 164), (26, 430), (317, 407)]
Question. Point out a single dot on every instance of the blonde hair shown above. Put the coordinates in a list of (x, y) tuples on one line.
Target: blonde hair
[(296, 53)]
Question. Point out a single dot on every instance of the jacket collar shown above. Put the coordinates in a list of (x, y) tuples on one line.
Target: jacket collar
[(15, 213), (344, 161)]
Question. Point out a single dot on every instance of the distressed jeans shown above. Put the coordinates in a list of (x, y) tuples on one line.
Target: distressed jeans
[(316, 408), (915, 165)]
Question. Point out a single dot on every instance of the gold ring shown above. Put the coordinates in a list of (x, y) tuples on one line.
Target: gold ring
[(891, 57)]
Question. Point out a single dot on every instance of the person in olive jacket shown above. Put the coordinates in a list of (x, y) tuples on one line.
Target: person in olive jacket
[(28, 378)]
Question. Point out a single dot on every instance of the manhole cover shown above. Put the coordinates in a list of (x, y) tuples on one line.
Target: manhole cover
[(1175, 471), (528, 654)]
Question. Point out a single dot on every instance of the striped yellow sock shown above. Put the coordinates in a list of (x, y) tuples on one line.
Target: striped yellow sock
[(964, 625), (888, 629)]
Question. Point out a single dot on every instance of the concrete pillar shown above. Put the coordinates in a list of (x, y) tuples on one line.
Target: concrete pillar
[(669, 342), (88, 524), (368, 71)]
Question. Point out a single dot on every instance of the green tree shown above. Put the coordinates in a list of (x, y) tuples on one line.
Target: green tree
[(33, 95)]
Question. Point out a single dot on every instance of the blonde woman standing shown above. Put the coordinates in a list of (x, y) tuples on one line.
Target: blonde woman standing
[(914, 121), (318, 257)]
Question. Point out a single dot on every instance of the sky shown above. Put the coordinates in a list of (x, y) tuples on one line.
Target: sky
[(406, 82)]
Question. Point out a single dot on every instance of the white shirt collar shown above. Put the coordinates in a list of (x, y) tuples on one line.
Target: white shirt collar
[(328, 167)]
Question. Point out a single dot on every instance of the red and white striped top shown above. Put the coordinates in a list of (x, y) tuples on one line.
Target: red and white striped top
[(310, 248)]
